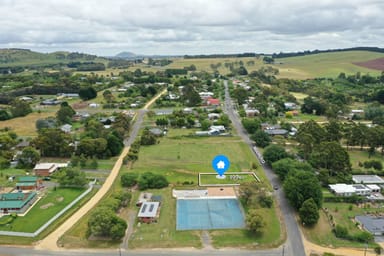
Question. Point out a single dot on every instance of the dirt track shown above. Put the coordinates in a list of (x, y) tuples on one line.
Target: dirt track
[(50, 242)]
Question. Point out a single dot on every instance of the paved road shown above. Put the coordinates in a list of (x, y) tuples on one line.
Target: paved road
[(7, 251), (294, 244), (292, 247)]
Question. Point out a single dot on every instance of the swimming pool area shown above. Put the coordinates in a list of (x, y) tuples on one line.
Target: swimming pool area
[(203, 214)]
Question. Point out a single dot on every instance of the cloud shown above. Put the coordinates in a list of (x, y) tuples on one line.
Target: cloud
[(190, 26)]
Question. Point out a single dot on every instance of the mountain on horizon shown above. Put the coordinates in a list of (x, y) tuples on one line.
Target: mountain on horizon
[(126, 55)]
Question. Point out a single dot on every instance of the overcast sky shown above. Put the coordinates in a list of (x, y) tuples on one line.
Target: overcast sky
[(108, 27)]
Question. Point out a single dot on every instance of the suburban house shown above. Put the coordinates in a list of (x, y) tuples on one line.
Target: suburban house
[(149, 212), (341, 189), (213, 116), (28, 183), (213, 102), (290, 105), (367, 179), (46, 169), (16, 202), (67, 128)]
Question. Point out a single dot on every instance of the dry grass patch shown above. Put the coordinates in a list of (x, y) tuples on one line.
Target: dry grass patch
[(25, 126)]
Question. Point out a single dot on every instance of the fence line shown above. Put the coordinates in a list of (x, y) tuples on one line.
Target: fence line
[(50, 221)]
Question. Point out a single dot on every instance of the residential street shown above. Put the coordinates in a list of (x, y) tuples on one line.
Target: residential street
[(294, 244)]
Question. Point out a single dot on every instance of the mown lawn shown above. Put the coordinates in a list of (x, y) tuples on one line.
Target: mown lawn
[(54, 202), (190, 155), (322, 234), (164, 234)]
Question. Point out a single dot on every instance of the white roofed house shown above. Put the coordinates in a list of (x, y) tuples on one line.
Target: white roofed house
[(149, 212), (67, 128)]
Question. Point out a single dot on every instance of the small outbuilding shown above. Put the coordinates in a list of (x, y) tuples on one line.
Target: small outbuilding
[(149, 212)]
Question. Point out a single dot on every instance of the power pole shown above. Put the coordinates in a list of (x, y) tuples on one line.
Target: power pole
[(283, 249)]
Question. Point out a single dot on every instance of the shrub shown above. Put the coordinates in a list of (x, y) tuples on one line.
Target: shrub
[(341, 232), (129, 179)]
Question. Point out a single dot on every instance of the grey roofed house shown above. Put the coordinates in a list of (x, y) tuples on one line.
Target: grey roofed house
[(156, 131), (274, 132), (373, 224), (367, 179), (67, 128)]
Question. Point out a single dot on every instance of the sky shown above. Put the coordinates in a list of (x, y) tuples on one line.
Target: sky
[(178, 27)]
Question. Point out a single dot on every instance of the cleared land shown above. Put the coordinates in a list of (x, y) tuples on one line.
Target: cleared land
[(372, 64), (326, 64)]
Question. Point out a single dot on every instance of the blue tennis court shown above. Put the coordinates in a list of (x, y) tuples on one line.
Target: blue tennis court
[(208, 214)]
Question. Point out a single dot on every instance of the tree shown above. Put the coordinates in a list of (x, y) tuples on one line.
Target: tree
[(333, 131), (190, 96), (129, 179), (28, 157), (240, 94), (64, 114), (147, 138), (104, 222), (300, 186), (4, 115), (331, 156), (87, 93), (70, 177), (309, 213), (261, 138), (151, 180), (255, 222), (53, 142), (251, 125), (285, 166), (20, 108), (273, 153), (114, 145)]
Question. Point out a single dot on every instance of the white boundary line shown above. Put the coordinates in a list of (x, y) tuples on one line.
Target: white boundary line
[(225, 185)]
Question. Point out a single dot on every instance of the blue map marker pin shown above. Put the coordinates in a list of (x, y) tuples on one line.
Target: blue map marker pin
[(220, 164)]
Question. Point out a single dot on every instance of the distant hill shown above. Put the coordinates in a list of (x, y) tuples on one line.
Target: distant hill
[(125, 55), (26, 58), (304, 53)]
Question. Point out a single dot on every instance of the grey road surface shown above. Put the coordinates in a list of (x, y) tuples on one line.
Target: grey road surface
[(294, 244)]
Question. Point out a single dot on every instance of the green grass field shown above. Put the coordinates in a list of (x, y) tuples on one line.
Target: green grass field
[(326, 64), (163, 234), (45, 209), (321, 233)]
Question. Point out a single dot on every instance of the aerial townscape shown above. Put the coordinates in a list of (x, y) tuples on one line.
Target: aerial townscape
[(190, 149)]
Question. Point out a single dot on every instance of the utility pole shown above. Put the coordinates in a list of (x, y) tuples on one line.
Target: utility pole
[(283, 249)]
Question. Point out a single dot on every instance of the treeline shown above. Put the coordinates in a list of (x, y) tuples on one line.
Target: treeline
[(303, 53), (6, 98), (206, 56), (87, 66)]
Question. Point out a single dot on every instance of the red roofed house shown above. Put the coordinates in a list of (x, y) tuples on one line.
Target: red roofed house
[(213, 102)]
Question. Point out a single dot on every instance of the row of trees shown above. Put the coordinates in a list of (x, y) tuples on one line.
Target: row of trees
[(300, 183)]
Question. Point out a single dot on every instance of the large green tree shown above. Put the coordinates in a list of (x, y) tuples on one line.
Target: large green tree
[(255, 222), (53, 142), (70, 177), (273, 153), (285, 166), (104, 222), (309, 212), (28, 157), (261, 138), (87, 93), (65, 113), (300, 186), (331, 156), (20, 108)]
